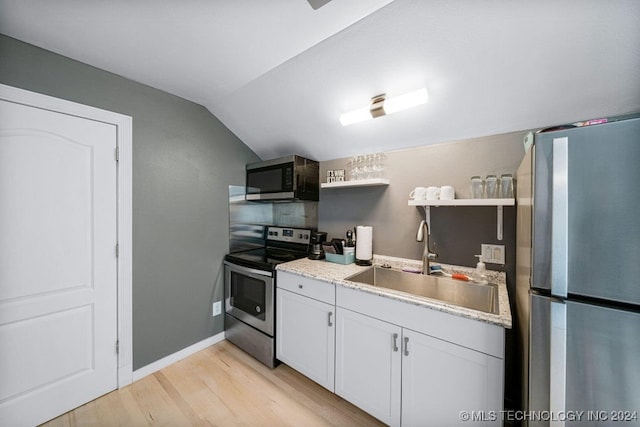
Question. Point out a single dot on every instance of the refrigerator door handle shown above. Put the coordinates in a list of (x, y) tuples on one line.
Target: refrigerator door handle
[(560, 218), (558, 361)]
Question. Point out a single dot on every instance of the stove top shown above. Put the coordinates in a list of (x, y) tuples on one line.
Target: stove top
[(264, 258), (282, 245)]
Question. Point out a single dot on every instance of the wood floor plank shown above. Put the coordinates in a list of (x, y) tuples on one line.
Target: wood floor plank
[(219, 386)]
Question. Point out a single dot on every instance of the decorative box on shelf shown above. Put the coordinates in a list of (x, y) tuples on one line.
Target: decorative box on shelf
[(335, 175)]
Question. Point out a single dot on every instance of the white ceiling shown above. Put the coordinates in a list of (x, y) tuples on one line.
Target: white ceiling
[(279, 73)]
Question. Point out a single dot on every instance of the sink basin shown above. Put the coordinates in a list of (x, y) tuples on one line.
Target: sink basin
[(463, 294)]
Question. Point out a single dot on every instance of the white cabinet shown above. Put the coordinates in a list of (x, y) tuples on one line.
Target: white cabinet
[(440, 379), (305, 327), (368, 364), (409, 378), (404, 364)]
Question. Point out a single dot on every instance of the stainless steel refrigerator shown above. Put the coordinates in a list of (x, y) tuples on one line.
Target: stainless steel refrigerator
[(578, 275)]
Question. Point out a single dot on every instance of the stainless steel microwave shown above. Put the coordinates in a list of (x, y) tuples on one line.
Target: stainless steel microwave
[(285, 178)]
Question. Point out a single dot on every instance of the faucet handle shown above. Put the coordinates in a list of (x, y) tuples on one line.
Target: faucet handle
[(433, 254)]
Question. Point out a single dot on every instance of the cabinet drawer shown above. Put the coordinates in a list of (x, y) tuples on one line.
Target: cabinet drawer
[(316, 289)]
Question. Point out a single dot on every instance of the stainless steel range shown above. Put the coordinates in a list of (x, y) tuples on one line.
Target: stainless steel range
[(250, 290)]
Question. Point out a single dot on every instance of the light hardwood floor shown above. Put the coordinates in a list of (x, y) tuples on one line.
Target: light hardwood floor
[(219, 386)]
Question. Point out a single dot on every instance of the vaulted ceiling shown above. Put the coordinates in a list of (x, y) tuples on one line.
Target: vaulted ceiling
[(279, 73)]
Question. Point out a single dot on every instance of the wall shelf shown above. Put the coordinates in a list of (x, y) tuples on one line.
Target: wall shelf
[(498, 203), (357, 183), (464, 202)]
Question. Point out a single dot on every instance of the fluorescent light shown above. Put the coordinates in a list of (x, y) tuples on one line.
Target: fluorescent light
[(408, 100), (355, 116), (381, 106)]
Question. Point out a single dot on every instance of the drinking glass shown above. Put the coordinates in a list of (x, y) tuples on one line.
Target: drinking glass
[(351, 165), (380, 160), (477, 187), (369, 163), (491, 187), (360, 169), (506, 186)]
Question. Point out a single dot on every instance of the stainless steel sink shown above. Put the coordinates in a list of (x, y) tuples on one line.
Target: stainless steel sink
[(463, 294)]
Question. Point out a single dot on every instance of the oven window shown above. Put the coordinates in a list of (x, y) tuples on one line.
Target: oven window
[(248, 294)]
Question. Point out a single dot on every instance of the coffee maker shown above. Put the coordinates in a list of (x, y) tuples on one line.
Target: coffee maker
[(317, 239)]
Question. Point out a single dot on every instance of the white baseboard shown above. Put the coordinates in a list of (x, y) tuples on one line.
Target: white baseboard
[(177, 356)]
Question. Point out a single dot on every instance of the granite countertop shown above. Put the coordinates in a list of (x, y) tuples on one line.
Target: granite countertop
[(336, 273)]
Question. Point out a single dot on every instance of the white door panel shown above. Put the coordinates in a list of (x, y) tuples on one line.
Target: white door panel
[(369, 364), (45, 176), (306, 336), (36, 343), (441, 379), (58, 269)]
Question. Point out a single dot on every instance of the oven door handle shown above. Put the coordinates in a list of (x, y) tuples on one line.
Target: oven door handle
[(244, 269)]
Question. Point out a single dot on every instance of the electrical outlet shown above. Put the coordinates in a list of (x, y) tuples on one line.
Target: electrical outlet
[(217, 308), (493, 254)]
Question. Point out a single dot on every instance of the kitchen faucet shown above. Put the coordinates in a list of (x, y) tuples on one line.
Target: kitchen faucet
[(426, 254)]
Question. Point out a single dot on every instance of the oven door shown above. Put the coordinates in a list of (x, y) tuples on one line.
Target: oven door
[(249, 296)]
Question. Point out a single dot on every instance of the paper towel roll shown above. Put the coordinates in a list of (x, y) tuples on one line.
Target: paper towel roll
[(364, 242)]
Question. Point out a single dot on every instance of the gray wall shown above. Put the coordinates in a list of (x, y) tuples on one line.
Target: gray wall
[(395, 223), (184, 160), (457, 232)]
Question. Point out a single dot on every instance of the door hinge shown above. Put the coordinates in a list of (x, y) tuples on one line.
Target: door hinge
[(117, 154), (117, 346), (117, 250)]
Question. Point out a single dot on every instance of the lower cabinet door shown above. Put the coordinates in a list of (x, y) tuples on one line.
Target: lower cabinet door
[(368, 364), (442, 382), (305, 336)]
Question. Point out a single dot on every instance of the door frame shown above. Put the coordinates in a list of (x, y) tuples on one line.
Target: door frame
[(124, 190)]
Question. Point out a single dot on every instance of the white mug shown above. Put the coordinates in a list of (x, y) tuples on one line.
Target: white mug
[(433, 193), (447, 192), (418, 193)]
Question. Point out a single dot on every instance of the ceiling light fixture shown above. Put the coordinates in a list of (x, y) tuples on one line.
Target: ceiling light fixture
[(381, 105)]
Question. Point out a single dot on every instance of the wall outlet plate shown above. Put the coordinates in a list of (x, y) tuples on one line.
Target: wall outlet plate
[(493, 254), (217, 308)]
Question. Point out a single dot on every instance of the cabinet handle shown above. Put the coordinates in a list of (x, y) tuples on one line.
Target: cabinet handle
[(330, 323), (300, 286), (395, 342), (406, 346)]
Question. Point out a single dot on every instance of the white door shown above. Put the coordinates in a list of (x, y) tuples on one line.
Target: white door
[(441, 379), (368, 364), (58, 265), (306, 336)]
